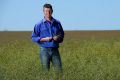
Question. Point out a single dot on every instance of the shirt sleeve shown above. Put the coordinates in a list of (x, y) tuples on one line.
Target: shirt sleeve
[(35, 34), (61, 34)]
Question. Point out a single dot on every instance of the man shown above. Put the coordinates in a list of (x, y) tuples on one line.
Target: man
[(48, 33)]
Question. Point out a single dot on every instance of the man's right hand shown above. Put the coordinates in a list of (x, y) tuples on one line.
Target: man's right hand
[(46, 39)]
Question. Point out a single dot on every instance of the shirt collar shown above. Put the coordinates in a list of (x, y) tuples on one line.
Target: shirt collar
[(44, 20)]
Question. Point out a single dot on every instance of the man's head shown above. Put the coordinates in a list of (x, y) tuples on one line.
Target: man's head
[(47, 9)]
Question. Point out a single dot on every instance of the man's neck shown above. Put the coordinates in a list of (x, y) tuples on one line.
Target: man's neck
[(49, 19)]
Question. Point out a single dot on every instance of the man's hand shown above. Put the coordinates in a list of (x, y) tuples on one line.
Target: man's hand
[(55, 38), (46, 39)]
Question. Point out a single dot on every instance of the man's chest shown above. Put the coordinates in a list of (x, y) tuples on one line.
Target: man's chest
[(49, 29)]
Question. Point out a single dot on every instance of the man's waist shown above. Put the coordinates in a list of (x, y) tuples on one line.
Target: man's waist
[(48, 48), (49, 44)]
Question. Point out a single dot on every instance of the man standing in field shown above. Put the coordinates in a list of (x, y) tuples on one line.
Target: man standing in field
[(48, 33)]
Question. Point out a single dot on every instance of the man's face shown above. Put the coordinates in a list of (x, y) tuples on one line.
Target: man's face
[(47, 12)]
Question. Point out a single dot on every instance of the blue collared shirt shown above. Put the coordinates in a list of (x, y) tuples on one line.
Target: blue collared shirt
[(44, 29)]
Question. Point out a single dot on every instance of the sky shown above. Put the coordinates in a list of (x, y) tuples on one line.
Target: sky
[(22, 15)]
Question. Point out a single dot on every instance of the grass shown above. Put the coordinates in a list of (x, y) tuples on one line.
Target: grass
[(83, 58)]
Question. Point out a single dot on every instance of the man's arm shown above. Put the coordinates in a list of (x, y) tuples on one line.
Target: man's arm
[(60, 36), (46, 39), (36, 36)]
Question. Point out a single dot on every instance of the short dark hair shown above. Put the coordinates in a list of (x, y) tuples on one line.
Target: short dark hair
[(48, 6)]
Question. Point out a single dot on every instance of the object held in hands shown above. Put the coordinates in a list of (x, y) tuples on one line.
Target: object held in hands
[(57, 37)]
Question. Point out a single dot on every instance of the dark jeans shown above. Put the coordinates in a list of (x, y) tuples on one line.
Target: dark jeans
[(48, 55)]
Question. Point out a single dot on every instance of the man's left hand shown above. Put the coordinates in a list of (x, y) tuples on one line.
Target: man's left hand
[(55, 38)]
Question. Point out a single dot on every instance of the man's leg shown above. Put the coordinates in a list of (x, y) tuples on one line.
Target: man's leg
[(56, 60), (45, 59)]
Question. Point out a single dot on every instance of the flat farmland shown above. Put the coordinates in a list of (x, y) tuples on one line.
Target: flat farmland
[(86, 55)]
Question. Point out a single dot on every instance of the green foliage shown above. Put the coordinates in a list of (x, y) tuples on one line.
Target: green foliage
[(83, 59)]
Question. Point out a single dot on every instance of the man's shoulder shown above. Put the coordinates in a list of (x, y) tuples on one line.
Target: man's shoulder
[(56, 20), (42, 21), (39, 22)]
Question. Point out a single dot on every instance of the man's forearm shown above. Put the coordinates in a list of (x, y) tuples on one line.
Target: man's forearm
[(46, 39), (42, 39)]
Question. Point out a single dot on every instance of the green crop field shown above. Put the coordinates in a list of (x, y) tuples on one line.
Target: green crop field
[(86, 55)]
